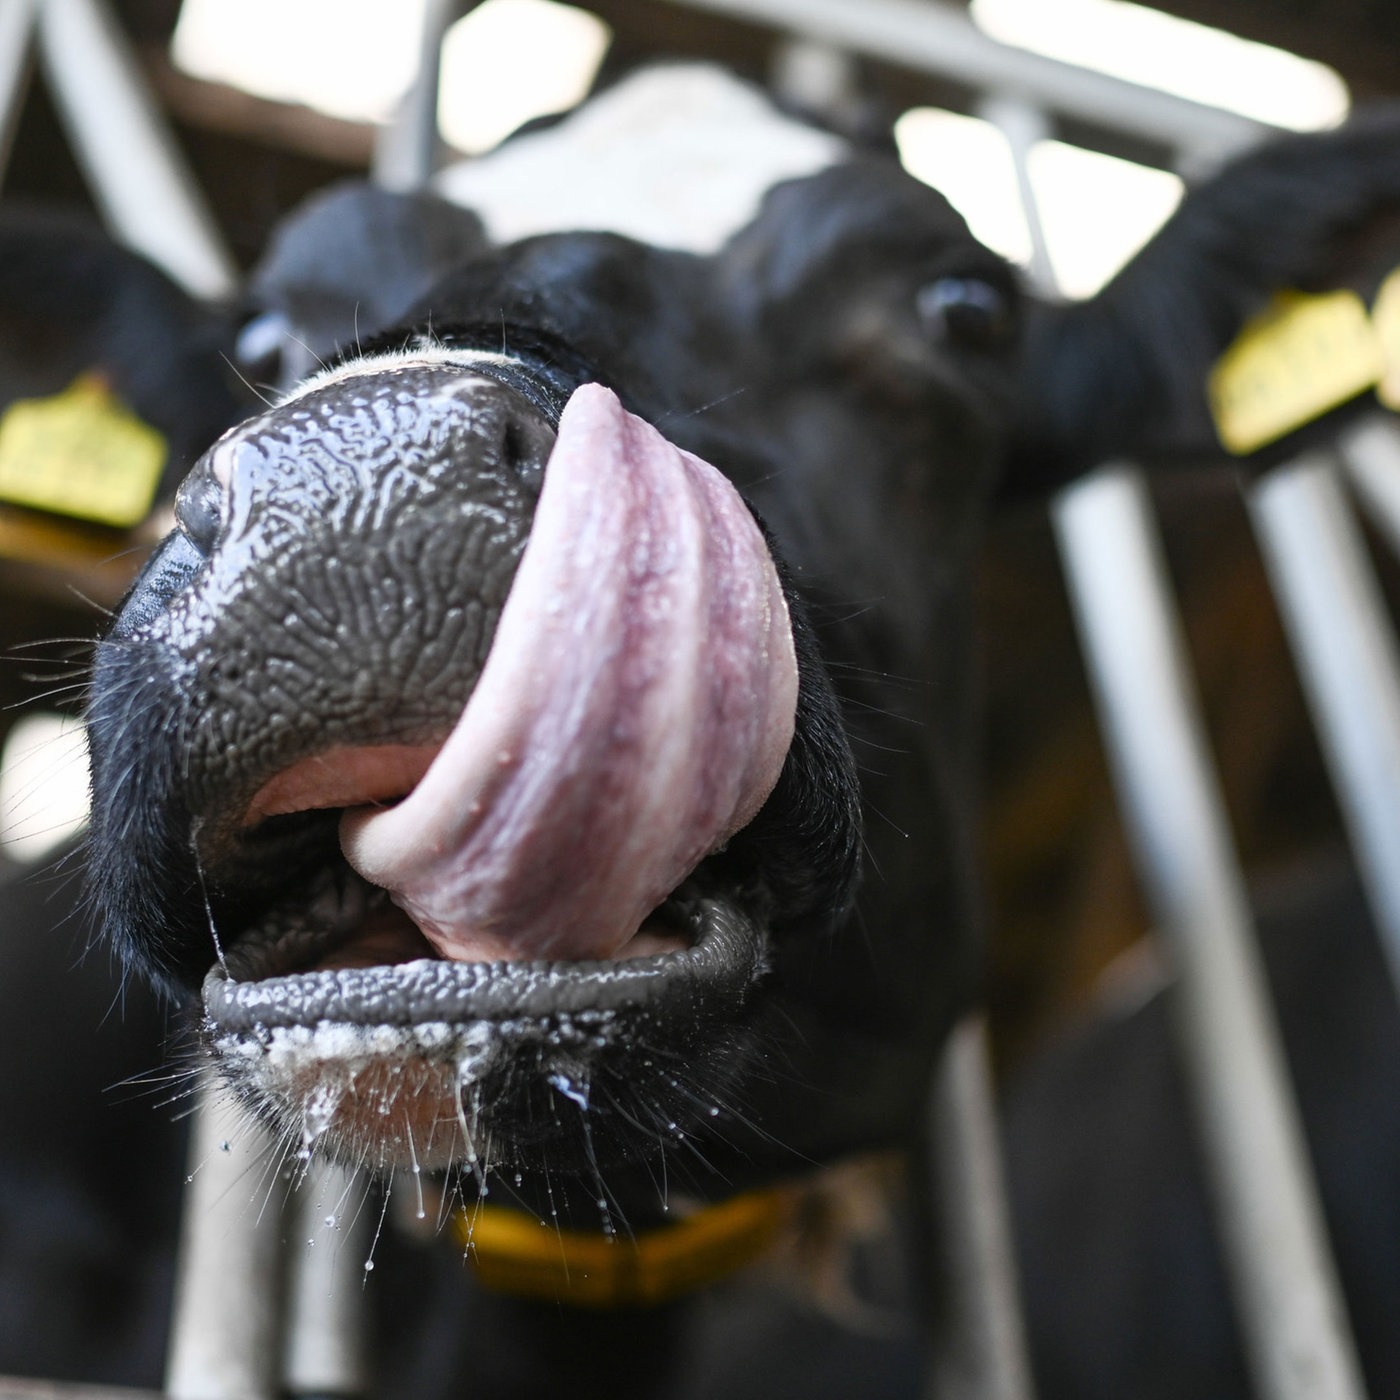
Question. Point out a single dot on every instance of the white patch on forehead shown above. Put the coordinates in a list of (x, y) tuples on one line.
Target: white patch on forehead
[(677, 156)]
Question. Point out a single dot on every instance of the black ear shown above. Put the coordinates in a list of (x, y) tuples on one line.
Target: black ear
[(77, 308), (1125, 373), (342, 267)]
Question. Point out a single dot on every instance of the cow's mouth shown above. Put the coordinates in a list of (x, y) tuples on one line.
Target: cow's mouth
[(343, 1026), (534, 906)]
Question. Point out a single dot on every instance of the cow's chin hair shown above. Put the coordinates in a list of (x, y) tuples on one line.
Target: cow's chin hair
[(431, 1064)]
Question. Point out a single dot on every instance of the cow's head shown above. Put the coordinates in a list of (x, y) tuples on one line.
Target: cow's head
[(499, 738)]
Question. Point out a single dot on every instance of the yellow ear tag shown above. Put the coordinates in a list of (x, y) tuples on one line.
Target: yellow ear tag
[(80, 453), (1296, 361), (1385, 316)]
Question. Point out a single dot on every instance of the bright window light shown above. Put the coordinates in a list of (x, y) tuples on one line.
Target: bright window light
[(348, 58), (43, 785), (511, 60), (1096, 210), (1175, 55), (970, 163)]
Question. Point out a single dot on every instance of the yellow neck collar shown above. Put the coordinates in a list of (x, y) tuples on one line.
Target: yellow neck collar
[(511, 1252)]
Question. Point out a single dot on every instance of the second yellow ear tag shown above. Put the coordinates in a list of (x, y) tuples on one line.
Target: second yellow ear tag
[(1296, 361), (81, 453)]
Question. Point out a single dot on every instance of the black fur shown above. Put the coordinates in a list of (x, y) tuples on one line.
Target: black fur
[(343, 265)]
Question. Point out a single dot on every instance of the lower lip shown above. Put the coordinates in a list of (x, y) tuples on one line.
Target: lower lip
[(722, 954)]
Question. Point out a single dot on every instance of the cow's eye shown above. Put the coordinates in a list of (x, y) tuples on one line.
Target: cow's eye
[(969, 311)]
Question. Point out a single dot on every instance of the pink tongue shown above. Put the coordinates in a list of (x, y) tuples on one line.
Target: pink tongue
[(634, 711)]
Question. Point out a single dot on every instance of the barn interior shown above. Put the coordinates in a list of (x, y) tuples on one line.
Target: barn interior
[(1067, 917)]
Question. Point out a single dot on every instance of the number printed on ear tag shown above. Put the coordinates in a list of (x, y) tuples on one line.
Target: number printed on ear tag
[(1296, 361), (81, 453)]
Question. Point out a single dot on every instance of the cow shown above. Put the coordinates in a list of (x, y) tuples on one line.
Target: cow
[(544, 750), (682, 1032), (78, 310)]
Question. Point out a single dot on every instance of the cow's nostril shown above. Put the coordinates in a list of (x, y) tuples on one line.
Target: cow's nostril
[(512, 448), (520, 454), (199, 509)]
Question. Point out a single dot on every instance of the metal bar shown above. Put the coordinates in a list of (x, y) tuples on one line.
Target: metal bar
[(934, 37), (1024, 125), (17, 21), (226, 1325), (979, 1350), (406, 149), (1347, 658), (1295, 1330), (130, 159), (1371, 452), (326, 1347)]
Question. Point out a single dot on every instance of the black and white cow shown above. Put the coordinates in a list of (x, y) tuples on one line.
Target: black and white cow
[(655, 970), (546, 742)]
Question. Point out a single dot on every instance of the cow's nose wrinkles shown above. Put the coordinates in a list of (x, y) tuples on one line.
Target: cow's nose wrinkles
[(351, 586)]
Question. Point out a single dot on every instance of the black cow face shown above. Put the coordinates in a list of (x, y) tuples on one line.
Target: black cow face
[(544, 740)]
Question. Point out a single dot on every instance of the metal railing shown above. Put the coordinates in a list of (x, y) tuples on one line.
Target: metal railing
[(1283, 1279), (269, 1300), (930, 36), (118, 134)]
